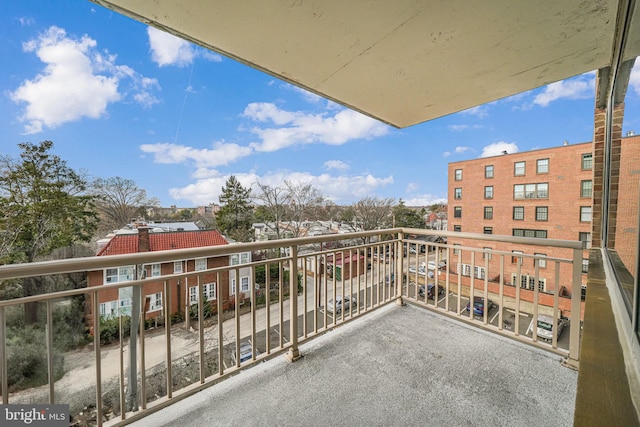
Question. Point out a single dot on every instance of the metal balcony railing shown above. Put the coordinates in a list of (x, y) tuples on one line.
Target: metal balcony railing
[(172, 335)]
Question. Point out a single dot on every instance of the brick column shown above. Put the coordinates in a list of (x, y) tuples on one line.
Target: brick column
[(599, 136)]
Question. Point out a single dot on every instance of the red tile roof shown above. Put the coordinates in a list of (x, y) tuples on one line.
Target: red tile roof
[(122, 244)]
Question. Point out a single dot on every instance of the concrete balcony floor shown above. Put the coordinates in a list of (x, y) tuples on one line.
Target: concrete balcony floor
[(395, 366)]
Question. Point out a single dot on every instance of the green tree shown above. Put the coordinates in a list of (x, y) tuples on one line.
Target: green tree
[(235, 216), (406, 217), (43, 207)]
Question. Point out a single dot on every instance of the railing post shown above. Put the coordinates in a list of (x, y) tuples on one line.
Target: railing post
[(293, 354), (398, 275), (574, 336), (3, 358)]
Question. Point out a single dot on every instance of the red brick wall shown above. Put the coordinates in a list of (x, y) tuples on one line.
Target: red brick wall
[(564, 202), (626, 233)]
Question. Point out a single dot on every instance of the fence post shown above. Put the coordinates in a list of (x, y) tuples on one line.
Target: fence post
[(398, 274), (576, 285), (293, 354)]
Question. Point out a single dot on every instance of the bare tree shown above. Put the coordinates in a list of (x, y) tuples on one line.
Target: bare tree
[(119, 200), (304, 199), (273, 201), (373, 213)]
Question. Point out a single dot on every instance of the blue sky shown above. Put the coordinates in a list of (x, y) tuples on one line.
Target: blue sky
[(120, 99)]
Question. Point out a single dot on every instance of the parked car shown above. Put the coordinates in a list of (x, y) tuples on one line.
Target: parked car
[(478, 305), (246, 350), (421, 271), (544, 327), (341, 304), (430, 290)]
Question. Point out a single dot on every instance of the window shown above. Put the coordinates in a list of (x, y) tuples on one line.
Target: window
[(201, 264), (487, 253), (177, 266), (531, 191), (244, 284), (521, 232), (529, 282), (585, 213), (518, 213), (456, 248), (465, 270), (118, 274), (488, 171), (585, 265), (542, 263), (586, 188), (488, 192), (242, 258), (542, 213), (457, 193), (108, 309), (542, 166), (208, 292), (155, 301), (457, 212), (585, 238), (155, 270), (458, 175), (488, 230), (457, 228), (587, 161), (514, 258), (488, 212), (519, 168)]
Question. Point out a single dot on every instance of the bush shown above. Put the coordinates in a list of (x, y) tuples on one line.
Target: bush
[(110, 329), (27, 364), (208, 310)]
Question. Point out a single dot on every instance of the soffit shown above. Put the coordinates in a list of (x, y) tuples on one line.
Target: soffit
[(400, 61)]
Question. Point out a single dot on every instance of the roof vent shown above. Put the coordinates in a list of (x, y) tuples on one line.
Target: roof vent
[(631, 133), (505, 152), (565, 143)]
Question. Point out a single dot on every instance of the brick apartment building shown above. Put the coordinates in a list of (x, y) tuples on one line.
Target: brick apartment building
[(184, 291), (543, 194)]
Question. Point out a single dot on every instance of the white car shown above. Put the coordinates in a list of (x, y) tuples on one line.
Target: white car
[(341, 304), (544, 327), (246, 350)]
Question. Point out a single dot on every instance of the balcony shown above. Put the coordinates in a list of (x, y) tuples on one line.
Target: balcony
[(385, 327)]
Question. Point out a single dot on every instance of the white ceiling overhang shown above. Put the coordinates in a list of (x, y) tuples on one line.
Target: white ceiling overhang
[(400, 61)]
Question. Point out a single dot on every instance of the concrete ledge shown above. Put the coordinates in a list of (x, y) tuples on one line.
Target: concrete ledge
[(603, 397)]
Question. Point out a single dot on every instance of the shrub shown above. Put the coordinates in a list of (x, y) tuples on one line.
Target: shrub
[(27, 364), (110, 328)]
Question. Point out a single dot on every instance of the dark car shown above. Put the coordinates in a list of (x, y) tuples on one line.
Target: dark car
[(431, 288), (478, 305)]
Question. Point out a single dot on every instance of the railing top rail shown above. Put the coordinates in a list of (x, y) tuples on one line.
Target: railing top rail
[(14, 271)]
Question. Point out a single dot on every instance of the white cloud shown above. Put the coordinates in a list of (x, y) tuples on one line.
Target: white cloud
[(167, 49), (336, 164), (423, 200), (581, 87), (26, 21), (221, 154), (458, 150), (634, 79), (479, 111), (70, 86), (294, 128), (498, 148), (339, 189), (457, 128)]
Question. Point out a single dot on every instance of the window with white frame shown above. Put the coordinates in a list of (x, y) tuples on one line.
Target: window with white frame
[(208, 292), (586, 188), (155, 301), (201, 264), (124, 307), (458, 176), (119, 274), (108, 309), (587, 161), (456, 248), (457, 193), (585, 213), (488, 171), (465, 270), (487, 254), (519, 168), (177, 267), (514, 258), (529, 282), (585, 265), (241, 258), (542, 263), (244, 284), (156, 270), (531, 191), (488, 192)]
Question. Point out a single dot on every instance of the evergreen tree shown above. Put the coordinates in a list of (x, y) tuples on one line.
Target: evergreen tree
[(43, 207), (235, 216)]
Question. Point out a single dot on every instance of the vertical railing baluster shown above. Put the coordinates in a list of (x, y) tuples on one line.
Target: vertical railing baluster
[(472, 285), (293, 354), (536, 296), (121, 343), (252, 291), (516, 327), (3, 357), (556, 298), (486, 290), (96, 349), (50, 367), (200, 326), (220, 318), (267, 302), (143, 376), (305, 307), (167, 334), (576, 286), (236, 313), (501, 292)]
